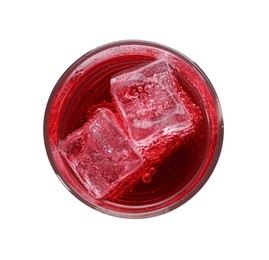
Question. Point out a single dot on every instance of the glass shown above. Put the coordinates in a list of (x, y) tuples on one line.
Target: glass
[(133, 129)]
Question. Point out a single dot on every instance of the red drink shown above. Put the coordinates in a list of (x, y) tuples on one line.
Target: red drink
[(133, 129)]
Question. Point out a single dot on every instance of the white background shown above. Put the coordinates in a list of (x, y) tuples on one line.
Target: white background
[(227, 219)]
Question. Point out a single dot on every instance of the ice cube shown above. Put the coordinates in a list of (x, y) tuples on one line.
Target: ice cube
[(100, 154), (148, 101)]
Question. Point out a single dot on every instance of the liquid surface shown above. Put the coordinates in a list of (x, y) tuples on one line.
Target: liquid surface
[(171, 160)]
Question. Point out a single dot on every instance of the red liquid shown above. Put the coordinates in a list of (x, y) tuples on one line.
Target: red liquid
[(86, 87)]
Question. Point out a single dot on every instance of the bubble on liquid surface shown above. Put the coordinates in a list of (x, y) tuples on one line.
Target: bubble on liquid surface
[(147, 177), (152, 170)]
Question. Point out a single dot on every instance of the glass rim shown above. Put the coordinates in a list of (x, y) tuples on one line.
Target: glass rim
[(169, 207)]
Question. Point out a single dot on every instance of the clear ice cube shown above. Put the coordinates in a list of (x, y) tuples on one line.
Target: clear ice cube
[(100, 154), (148, 101)]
